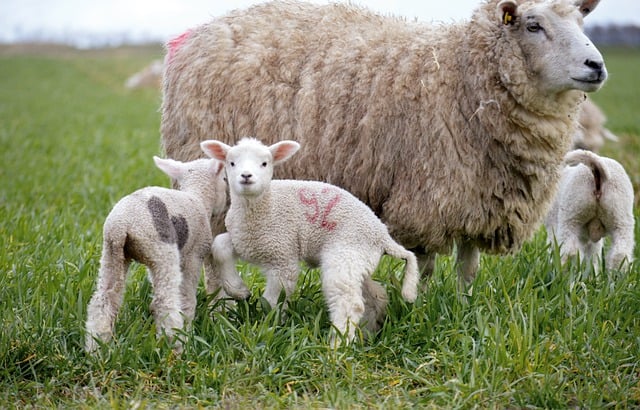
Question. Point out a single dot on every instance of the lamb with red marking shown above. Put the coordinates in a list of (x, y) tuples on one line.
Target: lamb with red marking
[(275, 224)]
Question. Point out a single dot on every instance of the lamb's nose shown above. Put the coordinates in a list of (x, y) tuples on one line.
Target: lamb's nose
[(246, 176)]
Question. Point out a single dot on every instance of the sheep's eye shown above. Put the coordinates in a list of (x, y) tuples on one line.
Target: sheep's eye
[(534, 27), (233, 164), (264, 164)]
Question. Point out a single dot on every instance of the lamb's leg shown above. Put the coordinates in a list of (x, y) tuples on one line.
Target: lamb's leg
[(213, 278), (568, 237), (279, 278), (375, 305), (224, 258), (213, 274), (107, 299), (191, 265), (342, 285), (467, 260), (620, 253), (166, 279), (591, 252)]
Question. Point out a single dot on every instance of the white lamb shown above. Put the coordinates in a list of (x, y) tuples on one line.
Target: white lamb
[(167, 230), (595, 199), (276, 224)]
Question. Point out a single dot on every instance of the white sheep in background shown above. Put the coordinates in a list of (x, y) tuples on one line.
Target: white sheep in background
[(150, 76), (594, 200), (451, 133), (168, 231), (275, 224)]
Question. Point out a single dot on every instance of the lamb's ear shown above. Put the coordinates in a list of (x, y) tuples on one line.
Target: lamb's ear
[(170, 167), (283, 150), (586, 6), (507, 10), (215, 149)]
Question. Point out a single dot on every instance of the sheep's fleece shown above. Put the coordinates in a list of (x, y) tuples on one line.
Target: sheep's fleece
[(595, 199), (450, 133)]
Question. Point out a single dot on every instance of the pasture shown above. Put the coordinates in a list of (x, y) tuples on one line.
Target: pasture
[(530, 333)]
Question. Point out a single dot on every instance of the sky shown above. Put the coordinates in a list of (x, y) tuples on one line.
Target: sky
[(85, 22)]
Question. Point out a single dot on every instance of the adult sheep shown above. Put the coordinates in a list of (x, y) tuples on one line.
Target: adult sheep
[(458, 130)]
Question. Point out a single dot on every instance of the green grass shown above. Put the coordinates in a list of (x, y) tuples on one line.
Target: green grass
[(530, 333)]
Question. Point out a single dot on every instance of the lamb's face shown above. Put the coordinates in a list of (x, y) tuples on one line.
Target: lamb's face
[(249, 169), (558, 55)]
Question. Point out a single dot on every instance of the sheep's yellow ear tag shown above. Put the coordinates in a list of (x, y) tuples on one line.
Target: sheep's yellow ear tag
[(507, 18)]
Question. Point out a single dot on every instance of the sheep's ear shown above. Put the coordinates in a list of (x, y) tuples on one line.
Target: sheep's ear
[(283, 150), (215, 149), (586, 6), (170, 167), (507, 10)]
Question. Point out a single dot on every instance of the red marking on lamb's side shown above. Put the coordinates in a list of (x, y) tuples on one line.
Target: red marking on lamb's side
[(330, 226), (174, 44), (310, 199)]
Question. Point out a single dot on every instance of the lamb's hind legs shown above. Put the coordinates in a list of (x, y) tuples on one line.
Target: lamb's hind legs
[(107, 299)]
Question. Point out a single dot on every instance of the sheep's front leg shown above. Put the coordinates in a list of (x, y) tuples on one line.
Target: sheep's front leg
[(224, 257), (279, 278), (467, 261)]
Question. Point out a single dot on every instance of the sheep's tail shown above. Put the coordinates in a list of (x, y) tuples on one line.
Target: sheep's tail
[(592, 161), (411, 274)]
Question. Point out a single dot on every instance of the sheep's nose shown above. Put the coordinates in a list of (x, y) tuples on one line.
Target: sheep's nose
[(597, 67), (246, 176)]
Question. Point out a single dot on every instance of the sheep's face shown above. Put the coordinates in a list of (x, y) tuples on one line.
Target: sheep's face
[(249, 170), (249, 165), (557, 54)]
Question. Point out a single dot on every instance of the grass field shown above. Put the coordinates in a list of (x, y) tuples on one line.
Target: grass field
[(531, 334)]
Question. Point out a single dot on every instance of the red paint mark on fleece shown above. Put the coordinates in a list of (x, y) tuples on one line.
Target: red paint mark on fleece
[(174, 44), (310, 200)]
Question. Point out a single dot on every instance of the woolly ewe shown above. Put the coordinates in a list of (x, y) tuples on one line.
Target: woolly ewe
[(595, 200), (276, 224), (451, 133), (168, 231)]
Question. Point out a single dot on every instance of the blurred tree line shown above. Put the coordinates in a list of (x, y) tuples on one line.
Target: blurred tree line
[(614, 35)]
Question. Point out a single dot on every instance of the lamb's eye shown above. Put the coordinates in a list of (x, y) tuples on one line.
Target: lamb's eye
[(233, 164), (534, 27), (264, 164)]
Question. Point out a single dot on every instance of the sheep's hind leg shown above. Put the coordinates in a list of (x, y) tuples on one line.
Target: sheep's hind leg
[(107, 299), (467, 261), (189, 286), (375, 305), (166, 279), (620, 254), (342, 285)]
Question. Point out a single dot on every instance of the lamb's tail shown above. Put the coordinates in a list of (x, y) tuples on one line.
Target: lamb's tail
[(411, 274), (592, 161)]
